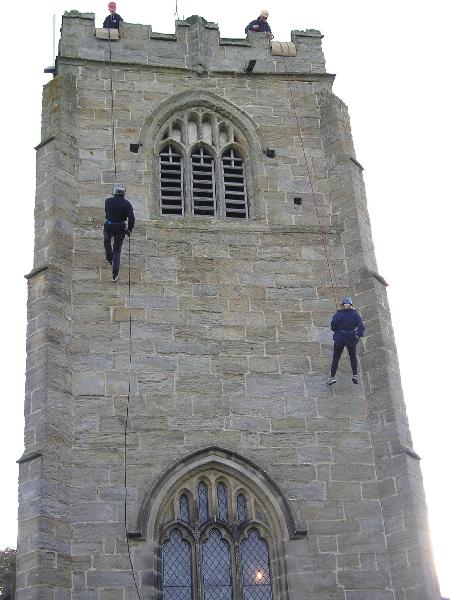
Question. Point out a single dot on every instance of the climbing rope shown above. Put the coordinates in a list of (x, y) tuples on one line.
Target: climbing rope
[(130, 337), (311, 177), (130, 354), (113, 129)]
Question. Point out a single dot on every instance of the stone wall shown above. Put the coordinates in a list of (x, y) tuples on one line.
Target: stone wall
[(230, 327)]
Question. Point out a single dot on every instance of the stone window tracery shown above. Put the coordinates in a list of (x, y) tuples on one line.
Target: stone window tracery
[(202, 166), (215, 546)]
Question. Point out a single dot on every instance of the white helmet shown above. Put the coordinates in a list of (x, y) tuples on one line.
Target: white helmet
[(120, 189), (264, 13)]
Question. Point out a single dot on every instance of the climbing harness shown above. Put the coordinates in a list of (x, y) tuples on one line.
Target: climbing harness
[(311, 177), (113, 132)]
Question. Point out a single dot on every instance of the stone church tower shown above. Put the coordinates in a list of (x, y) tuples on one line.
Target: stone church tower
[(242, 476)]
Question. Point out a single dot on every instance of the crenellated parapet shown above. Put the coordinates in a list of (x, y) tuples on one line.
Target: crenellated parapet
[(196, 45)]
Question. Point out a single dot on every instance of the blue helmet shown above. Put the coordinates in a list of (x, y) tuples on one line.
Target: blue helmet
[(346, 300)]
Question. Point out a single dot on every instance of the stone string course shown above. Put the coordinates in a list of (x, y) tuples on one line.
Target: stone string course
[(230, 323)]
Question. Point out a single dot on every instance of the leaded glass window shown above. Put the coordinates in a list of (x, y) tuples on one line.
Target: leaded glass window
[(202, 502), (221, 549), (184, 509), (222, 502), (241, 508), (256, 582), (216, 567), (177, 568)]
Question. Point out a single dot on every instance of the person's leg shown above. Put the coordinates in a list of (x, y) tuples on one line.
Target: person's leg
[(351, 348), (337, 352), (107, 244), (117, 247)]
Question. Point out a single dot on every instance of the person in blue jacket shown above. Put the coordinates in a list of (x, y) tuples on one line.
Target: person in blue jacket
[(260, 24), (348, 327), (117, 212)]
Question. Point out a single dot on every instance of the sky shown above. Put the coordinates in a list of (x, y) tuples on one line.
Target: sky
[(391, 59)]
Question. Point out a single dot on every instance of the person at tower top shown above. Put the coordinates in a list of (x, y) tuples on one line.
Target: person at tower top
[(348, 327), (113, 20), (260, 24), (117, 212)]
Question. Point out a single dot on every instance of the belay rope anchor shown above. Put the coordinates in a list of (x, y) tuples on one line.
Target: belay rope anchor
[(130, 355)]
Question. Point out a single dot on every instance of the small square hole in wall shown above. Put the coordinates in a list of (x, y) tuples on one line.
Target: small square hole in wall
[(298, 201)]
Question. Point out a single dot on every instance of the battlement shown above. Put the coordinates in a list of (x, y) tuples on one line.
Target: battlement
[(196, 45)]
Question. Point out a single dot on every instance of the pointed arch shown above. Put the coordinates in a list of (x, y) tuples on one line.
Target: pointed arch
[(201, 99), (227, 462)]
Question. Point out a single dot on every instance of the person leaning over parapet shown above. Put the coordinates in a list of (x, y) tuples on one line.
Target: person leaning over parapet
[(260, 24), (348, 327), (113, 20), (117, 211)]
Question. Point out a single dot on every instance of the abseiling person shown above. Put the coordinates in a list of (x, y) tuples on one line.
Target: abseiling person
[(260, 24), (348, 327), (113, 20), (117, 212)]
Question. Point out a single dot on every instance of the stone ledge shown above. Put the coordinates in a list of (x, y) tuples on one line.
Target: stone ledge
[(292, 76), (45, 142), (356, 162), (247, 227), (28, 456), (36, 271)]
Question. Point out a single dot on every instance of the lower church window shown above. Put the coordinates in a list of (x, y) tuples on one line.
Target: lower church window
[(211, 552)]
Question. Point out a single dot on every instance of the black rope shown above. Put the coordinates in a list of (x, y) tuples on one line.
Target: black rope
[(113, 129), (127, 419), (129, 333)]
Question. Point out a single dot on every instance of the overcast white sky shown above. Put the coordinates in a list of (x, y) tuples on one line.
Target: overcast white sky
[(392, 60)]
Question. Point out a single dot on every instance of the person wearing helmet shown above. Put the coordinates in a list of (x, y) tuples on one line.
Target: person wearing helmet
[(348, 327), (113, 20), (260, 24), (117, 212)]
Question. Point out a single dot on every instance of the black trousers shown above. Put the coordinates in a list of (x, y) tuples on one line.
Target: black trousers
[(113, 232), (337, 352)]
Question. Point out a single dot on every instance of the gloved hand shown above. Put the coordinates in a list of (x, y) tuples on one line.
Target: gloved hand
[(127, 232)]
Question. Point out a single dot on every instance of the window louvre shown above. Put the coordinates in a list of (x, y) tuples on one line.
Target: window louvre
[(171, 182), (236, 204), (203, 183)]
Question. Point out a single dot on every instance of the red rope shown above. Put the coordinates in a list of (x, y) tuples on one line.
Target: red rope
[(311, 177)]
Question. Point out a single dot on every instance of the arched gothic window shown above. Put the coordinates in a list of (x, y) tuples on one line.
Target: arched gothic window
[(220, 550), (212, 181)]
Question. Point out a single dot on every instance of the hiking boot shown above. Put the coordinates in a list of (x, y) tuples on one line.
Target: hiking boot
[(355, 379), (331, 381), (115, 277)]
